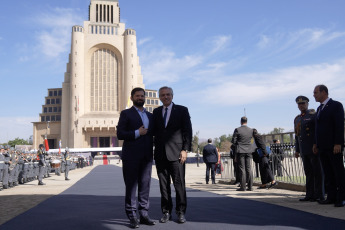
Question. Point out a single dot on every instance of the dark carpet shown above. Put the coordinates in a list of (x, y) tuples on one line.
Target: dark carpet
[(97, 202)]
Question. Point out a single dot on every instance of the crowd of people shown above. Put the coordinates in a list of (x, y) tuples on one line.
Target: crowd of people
[(19, 167)]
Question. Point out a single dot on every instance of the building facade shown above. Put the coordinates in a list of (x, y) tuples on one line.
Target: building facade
[(102, 69)]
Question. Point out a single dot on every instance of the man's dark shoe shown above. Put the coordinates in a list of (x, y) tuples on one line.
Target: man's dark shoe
[(206, 182), (240, 189), (165, 218), (213, 182), (340, 204), (66, 178), (146, 220), (305, 199), (250, 189), (134, 223), (41, 183), (181, 218), (273, 185), (325, 201)]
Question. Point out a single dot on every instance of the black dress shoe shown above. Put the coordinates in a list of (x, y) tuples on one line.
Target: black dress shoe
[(41, 183), (134, 223), (240, 189), (340, 204), (147, 220), (325, 201), (181, 218), (165, 218), (262, 187), (66, 178), (206, 182), (273, 185), (250, 189), (305, 199)]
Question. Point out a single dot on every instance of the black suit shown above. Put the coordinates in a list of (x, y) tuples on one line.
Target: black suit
[(210, 157), (329, 129), (137, 156), (169, 142)]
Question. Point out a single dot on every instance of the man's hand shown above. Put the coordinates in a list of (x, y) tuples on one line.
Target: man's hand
[(315, 149), (183, 156), (337, 149), (297, 154), (142, 131)]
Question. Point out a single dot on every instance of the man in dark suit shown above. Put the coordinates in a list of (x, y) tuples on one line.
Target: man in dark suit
[(304, 138), (329, 143), (135, 128), (210, 156), (173, 138), (242, 140)]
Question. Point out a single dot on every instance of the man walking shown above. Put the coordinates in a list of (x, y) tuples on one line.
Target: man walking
[(135, 128), (210, 156), (173, 138), (304, 138), (242, 140), (329, 143)]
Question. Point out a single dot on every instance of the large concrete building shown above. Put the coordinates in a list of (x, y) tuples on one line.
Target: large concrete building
[(103, 68)]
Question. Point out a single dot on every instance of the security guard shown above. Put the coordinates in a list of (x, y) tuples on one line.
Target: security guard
[(2, 165), (67, 162), (304, 139), (41, 157)]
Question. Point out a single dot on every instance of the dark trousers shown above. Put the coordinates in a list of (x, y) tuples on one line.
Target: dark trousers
[(175, 170), (66, 171), (210, 166), (246, 174), (277, 165), (236, 171), (333, 167), (137, 174), (265, 171), (314, 176)]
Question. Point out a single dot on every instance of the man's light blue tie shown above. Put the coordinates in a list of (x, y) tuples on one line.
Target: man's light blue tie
[(165, 116)]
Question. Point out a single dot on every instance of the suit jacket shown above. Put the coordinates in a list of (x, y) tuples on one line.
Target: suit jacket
[(210, 154), (305, 133), (329, 125), (242, 139), (134, 149), (176, 136)]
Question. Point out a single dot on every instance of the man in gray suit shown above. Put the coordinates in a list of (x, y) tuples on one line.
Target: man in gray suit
[(210, 156), (242, 140)]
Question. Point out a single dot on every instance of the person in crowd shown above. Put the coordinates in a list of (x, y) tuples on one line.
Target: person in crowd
[(329, 144), (41, 156), (173, 138), (242, 140), (304, 124), (267, 177), (67, 162), (135, 128), (210, 156)]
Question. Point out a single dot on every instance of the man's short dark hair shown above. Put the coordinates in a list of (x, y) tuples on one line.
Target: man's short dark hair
[(244, 120), (209, 140), (323, 88), (136, 90)]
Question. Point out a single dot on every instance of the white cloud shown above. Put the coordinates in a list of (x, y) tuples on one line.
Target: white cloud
[(54, 38), (219, 43), (263, 42), (144, 40), (13, 127), (270, 86)]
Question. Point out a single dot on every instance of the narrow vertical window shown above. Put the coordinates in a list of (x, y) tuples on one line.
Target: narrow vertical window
[(96, 12), (108, 13), (100, 12), (112, 14), (104, 8)]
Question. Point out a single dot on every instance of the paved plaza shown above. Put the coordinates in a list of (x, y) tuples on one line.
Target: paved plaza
[(94, 199)]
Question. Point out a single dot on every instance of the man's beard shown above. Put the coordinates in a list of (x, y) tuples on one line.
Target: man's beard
[(139, 103)]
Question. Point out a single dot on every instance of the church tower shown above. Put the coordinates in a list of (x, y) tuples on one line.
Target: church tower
[(103, 68)]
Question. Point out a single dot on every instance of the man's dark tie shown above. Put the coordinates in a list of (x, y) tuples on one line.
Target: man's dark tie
[(319, 110), (165, 116)]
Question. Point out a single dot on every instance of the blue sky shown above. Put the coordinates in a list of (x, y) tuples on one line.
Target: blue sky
[(219, 56)]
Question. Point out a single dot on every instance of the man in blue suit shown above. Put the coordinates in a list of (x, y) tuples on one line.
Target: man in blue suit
[(329, 143), (210, 156), (135, 128)]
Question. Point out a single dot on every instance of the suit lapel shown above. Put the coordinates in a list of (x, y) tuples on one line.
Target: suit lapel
[(172, 114)]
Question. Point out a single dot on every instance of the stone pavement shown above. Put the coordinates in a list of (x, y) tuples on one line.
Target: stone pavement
[(23, 197)]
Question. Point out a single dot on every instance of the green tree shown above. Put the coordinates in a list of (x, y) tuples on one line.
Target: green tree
[(195, 142), (17, 141), (277, 131)]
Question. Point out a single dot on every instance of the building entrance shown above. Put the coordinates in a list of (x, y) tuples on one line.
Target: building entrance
[(51, 143), (104, 142)]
